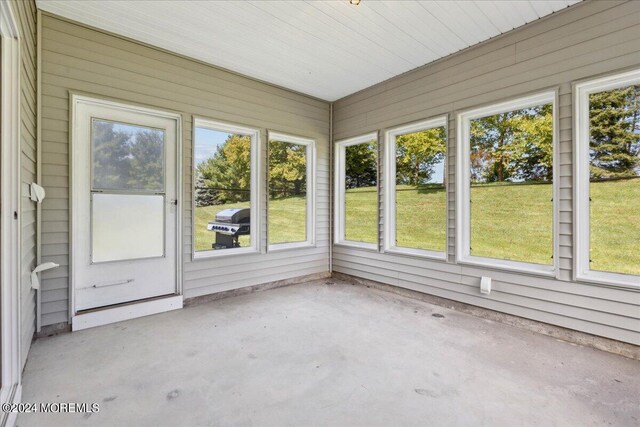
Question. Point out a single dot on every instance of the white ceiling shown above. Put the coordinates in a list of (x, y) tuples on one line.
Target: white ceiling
[(327, 49)]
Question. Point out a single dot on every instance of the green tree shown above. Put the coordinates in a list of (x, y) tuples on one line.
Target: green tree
[(532, 145), (127, 157), (614, 118), (228, 171), (513, 146), (146, 159), (287, 169), (417, 153), (204, 195), (361, 165), (110, 156)]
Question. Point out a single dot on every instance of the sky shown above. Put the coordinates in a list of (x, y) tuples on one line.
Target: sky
[(207, 142), (438, 173)]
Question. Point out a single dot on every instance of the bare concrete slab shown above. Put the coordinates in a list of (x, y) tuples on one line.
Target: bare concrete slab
[(326, 354)]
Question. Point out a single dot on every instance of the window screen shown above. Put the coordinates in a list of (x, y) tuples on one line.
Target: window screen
[(222, 190), (614, 175), (361, 192), (126, 157), (420, 198), (511, 174), (287, 192)]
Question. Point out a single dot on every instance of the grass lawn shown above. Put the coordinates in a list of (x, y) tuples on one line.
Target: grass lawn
[(421, 218), (508, 221), (361, 215), (615, 245), (513, 222), (287, 222)]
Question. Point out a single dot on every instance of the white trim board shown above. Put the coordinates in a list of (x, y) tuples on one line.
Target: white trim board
[(125, 312), (10, 266)]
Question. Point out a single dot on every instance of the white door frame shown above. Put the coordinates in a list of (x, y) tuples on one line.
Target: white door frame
[(10, 353), (134, 309)]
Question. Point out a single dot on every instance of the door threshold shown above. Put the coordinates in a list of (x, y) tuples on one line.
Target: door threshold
[(113, 314)]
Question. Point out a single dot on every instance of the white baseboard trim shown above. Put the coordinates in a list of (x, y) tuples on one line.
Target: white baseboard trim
[(125, 312)]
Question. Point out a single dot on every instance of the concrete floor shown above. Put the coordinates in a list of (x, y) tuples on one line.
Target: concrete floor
[(326, 354)]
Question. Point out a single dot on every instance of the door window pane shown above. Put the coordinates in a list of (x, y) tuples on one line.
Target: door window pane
[(614, 188), (361, 192), (126, 157), (512, 185), (222, 190), (126, 226), (287, 192), (420, 190)]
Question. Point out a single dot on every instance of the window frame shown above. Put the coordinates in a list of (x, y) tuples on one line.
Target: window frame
[(390, 161), (581, 217), (254, 199), (339, 190), (310, 145), (463, 185)]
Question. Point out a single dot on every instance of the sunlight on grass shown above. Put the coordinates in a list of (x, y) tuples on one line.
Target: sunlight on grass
[(513, 222), (508, 221), (421, 217), (361, 214), (288, 220), (614, 239)]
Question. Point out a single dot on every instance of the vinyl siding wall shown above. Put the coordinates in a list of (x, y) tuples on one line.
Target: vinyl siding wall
[(25, 14), (81, 59), (584, 41)]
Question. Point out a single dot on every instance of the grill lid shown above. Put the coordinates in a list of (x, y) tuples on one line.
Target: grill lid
[(234, 215)]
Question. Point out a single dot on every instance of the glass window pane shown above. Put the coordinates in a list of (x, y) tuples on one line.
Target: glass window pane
[(126, 157), (126, 226), (287, 192), (511, 185), (222, 190), (614, 153), (361, 192), (420, 190)]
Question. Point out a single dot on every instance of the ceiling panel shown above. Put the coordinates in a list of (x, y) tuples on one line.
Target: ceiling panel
[(327, 49)]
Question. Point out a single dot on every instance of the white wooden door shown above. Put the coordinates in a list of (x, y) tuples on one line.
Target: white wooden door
[(124, 204)]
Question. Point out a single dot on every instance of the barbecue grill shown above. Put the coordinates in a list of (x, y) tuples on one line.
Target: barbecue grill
[(229, 225)]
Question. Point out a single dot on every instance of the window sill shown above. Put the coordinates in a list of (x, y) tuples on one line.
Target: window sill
[(358, 245), (417, 253), (612, 280), (511, 266), (209, 254), (278, 247)]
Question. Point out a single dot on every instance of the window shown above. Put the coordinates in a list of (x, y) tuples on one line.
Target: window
[(607, 130), (356, 191), (416, 211), (127, 191), (126, 157), (506, 214), (225, 159), (291, 191)]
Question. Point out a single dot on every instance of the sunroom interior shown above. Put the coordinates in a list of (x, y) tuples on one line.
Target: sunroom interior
[(320, 212)]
